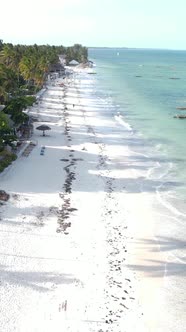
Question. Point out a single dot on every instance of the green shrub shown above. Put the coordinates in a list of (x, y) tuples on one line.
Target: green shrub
[(7, 160)]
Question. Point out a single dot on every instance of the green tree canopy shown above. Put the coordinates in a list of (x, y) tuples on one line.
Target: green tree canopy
[(6, 133), (15, 109)]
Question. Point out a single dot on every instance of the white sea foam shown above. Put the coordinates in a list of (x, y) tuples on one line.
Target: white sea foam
[(119, 118)]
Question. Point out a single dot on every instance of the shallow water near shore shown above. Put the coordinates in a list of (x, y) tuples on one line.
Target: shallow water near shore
[(146, 104), (142, 89)]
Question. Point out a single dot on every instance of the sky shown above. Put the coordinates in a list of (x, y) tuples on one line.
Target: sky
[(101, 23)]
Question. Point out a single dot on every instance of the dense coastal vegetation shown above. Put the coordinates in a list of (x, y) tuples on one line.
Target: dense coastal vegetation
[(23, 72)]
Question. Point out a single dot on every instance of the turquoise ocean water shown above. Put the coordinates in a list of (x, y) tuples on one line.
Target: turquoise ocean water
[(146, 87)]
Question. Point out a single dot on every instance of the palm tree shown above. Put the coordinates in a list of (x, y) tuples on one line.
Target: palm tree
[(8, 82)]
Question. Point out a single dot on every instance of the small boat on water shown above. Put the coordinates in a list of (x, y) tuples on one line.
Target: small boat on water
[(180, 116)]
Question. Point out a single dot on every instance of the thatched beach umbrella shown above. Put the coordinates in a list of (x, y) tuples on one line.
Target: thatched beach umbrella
[(43, 128)]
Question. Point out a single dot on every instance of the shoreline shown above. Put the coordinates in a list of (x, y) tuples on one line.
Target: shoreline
[(69, 226)]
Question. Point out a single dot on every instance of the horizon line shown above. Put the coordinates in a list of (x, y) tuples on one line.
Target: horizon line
[(138, 48)]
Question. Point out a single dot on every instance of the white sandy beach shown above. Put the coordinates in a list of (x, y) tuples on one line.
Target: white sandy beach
[(71, 231)]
